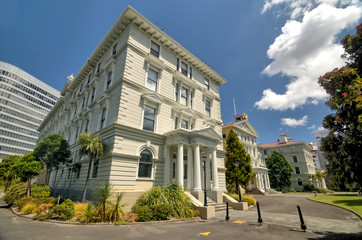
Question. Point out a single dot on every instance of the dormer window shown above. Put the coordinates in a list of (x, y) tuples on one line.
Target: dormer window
[(184, 69), (155, 49)]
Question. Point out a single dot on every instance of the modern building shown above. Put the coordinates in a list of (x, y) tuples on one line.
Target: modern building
[(298, 154), (320, 159), (156, 106), (247, 137), (24, 103)]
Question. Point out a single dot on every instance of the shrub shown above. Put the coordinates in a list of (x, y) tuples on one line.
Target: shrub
[(161, 211), (40, 191), (249, 199), (44, 208), (78, 209), (16, 192), (144, 213), (87, 215), (291, 190), (28, 208), (64, 211), (308, 187), (20, 203), (116, 209), (130, 217)]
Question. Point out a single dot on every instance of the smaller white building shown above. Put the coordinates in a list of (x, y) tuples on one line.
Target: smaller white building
[(247, 136), (320, 159)]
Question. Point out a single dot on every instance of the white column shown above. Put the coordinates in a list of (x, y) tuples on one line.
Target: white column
[(166, 165), (208, 172), (189, 168), (215, 179), (268, 182), (180, 164), (197, 168)]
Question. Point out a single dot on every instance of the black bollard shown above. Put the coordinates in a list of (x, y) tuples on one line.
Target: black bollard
[(227, 212), (302, 225), (260, 221)]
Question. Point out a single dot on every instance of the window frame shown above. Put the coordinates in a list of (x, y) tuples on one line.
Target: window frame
[(184, 71), (149, 119), (109, 79), (153, 51), (297, 172), (207, 84), (152, 80), (184, 97), (150, 170), (208, 109), (183, 121), (103, 118)]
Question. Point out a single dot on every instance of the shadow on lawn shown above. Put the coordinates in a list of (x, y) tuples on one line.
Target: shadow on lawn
[(352, 202)]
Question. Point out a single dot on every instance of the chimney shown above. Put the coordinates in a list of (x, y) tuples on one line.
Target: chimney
[(290, 139), (284, 137), (237, 118)]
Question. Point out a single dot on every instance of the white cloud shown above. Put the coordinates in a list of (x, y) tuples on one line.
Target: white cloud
[(306, 49), (291, 122), (313, 128)]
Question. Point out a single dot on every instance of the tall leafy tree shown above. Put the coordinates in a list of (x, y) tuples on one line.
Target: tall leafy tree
[(237, 163), (93, 146), (27, 167), (53, 151), (7, 172), (343, 145), (280, 171)]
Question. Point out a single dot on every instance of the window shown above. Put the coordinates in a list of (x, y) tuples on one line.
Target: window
[(152, 79), (280, 150), (99, 67), (174, 170), (114, 50), (176, 92), (93, 93), (145, 164), (190, 72), (95, 168), (297, 171), (184, 124), (176, 122), (86, 126), (78, 171), (76, 133), (293, 149), (75, 110), (300, 182), (184, 96), (69, 171), (191, 99), (149, 119), (83, 103), (223, 135), (265, 152), (208, 108), (178, 64), (103, 118), (207, 84), (155, 49), (184, 68), (89, 77), (109, 80), (295, 159)]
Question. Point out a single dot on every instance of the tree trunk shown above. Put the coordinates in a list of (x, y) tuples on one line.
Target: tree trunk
[(70, 182), (87, 180), (28, 190)]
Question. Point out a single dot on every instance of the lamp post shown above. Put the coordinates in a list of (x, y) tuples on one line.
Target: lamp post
[(237, 181), (205, 197)]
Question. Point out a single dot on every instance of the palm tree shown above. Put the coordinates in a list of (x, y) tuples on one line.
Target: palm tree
[(93, 146)]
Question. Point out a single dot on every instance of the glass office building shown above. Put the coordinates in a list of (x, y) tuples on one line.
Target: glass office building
[(24, 103)]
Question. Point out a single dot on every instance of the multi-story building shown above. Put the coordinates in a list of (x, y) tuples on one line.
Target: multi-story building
[(320, 159), (156, 106), (24, 103), (247, 137), (298, 154)]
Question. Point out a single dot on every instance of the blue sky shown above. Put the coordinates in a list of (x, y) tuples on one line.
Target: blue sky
[(271, 52)]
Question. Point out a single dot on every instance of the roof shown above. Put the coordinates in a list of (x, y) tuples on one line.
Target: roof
[(239, 124), (280, 144)]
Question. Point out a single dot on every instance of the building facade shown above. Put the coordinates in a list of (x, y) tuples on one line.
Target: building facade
[(156, 106), (247, 137), (299, 156), (320, 159), (24, 103)]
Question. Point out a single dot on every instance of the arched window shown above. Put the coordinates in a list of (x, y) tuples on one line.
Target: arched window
[(300, 182), (145, 164)]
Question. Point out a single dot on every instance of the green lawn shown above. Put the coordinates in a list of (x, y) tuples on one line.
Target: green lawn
[(349, 201)]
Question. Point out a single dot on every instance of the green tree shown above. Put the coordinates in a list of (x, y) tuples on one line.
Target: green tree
[(280, 171), (7, 172), (343, 145), (27, 167), (93, 146), (53, 151), (237, 163)]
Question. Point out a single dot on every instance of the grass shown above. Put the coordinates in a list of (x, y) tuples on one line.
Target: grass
[(349, 201)]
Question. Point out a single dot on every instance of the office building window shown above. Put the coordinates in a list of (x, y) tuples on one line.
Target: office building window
[(145, 164), (178, 64), (149, 119), (208, 108), (98, 67), (103, 118), (155, 49), (86, 126), (184, 96), (184, 69), (152, 80), (114, 50), (109, 80), (265, 152), (176, 92), (93, 94), (176, 123), (300, 182)]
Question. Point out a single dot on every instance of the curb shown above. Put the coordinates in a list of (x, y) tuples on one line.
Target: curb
[(360, 217), (198, 219)]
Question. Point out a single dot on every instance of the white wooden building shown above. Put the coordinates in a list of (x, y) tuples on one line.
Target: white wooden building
[(155, 104)]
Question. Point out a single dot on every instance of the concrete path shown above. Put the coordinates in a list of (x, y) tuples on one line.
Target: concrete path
[(282, 210)]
